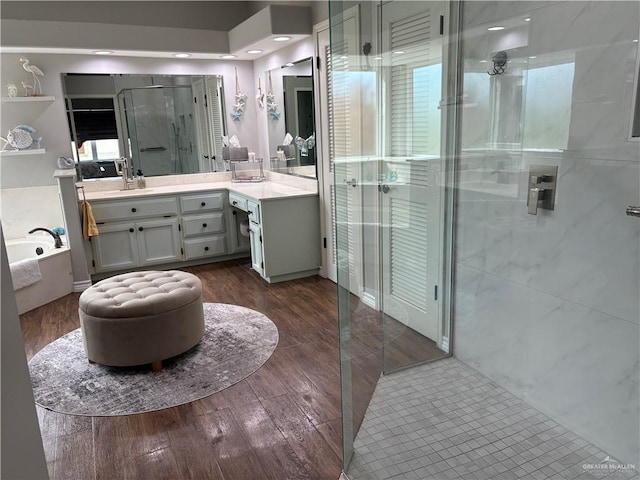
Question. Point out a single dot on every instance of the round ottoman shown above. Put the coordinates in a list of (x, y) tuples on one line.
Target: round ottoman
[(141, 317)]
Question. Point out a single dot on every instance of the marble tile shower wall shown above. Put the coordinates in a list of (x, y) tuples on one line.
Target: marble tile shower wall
[(547, 305)]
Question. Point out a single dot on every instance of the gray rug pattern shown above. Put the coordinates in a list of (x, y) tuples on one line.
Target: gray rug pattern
[(236, 342)]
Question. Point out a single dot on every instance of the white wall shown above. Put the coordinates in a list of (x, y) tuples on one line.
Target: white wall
[(547, 305)]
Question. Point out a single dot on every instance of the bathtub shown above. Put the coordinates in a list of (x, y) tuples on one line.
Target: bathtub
[(55, 267)]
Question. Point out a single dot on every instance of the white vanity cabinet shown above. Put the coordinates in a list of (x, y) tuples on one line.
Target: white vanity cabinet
[(135, 233), (285, 234), (204, 224)]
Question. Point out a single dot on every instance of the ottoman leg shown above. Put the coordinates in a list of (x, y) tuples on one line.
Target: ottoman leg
[(156, 366)]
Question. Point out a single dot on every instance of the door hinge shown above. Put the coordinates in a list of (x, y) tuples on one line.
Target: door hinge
[(195, 99), (179, 228), (93, 262), (260, 238), (181, 251), (205, 101), (441, 24), (261, 264), (435, 292), (324, 242), (318, 62)]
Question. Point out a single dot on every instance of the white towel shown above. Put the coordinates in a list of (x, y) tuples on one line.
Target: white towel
[(25, 272)]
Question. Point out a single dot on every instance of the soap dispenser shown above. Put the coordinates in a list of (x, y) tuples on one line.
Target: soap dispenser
[(142, 182)]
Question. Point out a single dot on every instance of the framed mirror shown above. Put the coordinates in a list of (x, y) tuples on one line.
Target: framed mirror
[(165, 124), (293, 89)]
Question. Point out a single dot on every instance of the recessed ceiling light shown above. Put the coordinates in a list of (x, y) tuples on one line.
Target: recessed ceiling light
[(635, 41), (398, 52), (228, 57), (288, 64), (254, 51), (281, 39), (182, 55), (495, 28), (483, 61), (527, 19), (103, 52), (533, 56)]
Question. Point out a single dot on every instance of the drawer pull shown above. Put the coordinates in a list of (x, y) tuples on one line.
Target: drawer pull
[(234, 202), (134, 210), (140, 229), (206, 249), (204, 225), (131, 230), (249, 212), (203, 204)]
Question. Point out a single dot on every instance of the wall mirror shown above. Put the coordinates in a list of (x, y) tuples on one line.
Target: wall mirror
[(165, 124), (292, 86)]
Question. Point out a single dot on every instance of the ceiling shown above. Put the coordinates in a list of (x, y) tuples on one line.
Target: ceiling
[(222, 27)]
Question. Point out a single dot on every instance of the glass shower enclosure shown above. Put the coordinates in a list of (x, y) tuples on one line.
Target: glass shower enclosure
[(483, 158)]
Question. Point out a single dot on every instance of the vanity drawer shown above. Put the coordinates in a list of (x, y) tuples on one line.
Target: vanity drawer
[(205, 247), (238, 201), (202, 202), (203, 224), (134, 208), (253, 208)]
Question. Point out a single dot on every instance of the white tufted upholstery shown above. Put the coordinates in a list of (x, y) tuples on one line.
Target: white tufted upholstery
[(138, 294), (141, 317)]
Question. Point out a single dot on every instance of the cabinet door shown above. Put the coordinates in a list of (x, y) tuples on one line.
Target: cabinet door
[(256, 247), (116, 247), (158, 241)]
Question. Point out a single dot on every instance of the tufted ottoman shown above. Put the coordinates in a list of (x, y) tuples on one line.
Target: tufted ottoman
[(141, 317)]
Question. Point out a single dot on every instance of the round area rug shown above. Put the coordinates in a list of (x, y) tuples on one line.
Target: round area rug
[(236, 342)]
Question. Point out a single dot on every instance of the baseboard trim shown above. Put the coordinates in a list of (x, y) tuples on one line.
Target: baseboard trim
[(445, 344), (81, 286), (369, 300)]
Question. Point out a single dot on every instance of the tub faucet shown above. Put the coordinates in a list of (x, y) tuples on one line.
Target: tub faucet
[(56, 237)]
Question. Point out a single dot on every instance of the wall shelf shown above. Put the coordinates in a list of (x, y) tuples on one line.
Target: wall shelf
[(23, 110), (17, 153), (46, 98)]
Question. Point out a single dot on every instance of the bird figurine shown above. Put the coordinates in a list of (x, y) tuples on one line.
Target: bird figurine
[(28, 89), (35, 72)]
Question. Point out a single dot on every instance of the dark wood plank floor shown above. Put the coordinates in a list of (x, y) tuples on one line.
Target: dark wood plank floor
[(282, 422)]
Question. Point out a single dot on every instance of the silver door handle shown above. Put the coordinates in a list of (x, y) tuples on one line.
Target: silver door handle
[(633, 211), (353, 182)]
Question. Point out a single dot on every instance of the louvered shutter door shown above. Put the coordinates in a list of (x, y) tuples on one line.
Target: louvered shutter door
[(410, 209), (215, 119), (202, 126)]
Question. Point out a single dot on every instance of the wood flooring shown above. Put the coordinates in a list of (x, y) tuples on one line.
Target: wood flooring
[(282, 422)]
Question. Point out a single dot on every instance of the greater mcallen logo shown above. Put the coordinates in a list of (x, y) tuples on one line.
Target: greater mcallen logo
[(607, 466)]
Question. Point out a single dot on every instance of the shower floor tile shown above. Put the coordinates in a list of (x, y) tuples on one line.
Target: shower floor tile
[(446, 421)]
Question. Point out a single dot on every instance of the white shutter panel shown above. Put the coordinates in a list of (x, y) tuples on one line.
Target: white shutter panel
[(202, 125), (215, 119), (415, 92)]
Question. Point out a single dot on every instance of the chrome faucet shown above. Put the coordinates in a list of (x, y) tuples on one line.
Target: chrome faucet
[(56, 237), (122, 167)]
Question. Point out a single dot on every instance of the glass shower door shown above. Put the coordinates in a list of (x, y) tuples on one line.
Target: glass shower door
[(390, 174)]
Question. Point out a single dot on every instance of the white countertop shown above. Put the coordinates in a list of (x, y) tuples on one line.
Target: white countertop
[(267, 190)]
